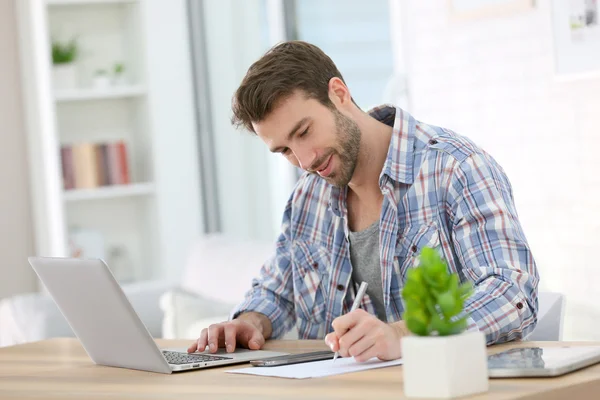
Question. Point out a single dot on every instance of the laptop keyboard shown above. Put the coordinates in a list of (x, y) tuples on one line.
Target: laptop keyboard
[(174, 357)]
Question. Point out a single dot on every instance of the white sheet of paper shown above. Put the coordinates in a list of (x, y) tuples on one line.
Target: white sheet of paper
[(317, 369)]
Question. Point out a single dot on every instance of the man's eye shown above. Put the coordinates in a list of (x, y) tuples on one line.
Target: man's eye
[(303, 133)]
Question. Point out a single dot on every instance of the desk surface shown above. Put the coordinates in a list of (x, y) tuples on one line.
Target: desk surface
[(60, 369)]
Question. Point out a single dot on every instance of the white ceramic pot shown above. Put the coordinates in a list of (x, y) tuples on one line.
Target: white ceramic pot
[(101, 82), (119, 80), (64, 76), (445, 366)]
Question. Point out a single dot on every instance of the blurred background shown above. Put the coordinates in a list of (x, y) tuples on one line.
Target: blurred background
[(116, 142)]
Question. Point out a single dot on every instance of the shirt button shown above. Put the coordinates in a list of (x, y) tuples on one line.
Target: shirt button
[(315, 265), (433, 141), (414, 248), (340, 288), (520, 305)]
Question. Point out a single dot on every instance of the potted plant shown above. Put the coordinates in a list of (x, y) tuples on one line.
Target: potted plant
[(119, 74), (442, 359), (63, 64), (101, 80)]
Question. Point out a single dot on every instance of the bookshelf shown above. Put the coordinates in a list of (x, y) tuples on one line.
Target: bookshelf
[(98, 94), (144, 224), (87, 2), (110, 192)]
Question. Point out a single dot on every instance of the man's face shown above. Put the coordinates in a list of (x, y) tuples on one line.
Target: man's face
[(313, 137)]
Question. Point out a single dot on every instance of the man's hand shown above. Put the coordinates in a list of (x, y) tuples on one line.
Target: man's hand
[(361, 335), (249, 330)]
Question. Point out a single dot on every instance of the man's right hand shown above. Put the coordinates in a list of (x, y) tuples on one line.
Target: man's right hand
[(249, 330)]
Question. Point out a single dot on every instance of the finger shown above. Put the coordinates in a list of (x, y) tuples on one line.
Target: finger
[(257, 340), (200, 344), (332, 341), (229, 334), (214, 331), (203, 340), (352, 336), (360, 347), (367, 354), (344, 323), (193, 347)]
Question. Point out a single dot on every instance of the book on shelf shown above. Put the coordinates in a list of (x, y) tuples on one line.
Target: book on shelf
[(92, 165)]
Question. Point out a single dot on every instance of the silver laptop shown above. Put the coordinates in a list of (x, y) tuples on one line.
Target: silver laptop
[(108, 327)]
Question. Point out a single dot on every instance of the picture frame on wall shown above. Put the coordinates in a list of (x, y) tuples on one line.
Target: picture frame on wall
[(463, 10), (576, 36)]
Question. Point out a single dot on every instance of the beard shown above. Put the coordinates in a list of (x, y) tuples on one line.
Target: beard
[(348, 136)]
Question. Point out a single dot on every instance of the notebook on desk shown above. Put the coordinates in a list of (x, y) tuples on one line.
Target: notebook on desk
[(108, 327)]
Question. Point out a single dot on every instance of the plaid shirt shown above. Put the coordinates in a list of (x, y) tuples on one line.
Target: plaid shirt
[(440, 190)]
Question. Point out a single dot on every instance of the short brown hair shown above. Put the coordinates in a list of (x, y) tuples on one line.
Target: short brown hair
[(285, 68)]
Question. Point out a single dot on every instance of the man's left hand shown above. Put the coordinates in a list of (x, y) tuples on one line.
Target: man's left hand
[(363, 336)]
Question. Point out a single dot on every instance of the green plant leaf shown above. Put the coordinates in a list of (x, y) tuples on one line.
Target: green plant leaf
[(448, 304), (416, 327), (433, 297), (453, 284), (413, 304), (64, 53), (441, 326), (118, 68), (417, 321), (465, 290), (459, 326), (411, 292), (432, 281), (415, 276), (430, 306)]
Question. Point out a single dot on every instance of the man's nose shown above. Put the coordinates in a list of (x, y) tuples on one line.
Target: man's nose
[(305, 157)]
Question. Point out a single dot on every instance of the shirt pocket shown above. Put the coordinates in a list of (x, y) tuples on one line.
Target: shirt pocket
[(310, 269), (410, 244)]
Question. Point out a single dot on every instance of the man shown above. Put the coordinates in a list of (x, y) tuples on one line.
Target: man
[(379, 187)]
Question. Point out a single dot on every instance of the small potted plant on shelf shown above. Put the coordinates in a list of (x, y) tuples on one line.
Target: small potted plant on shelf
[(64, 55), (101, 80), (442, 359), (119, 74)]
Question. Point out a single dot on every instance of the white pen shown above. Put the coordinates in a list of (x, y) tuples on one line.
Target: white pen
[(361, 292)]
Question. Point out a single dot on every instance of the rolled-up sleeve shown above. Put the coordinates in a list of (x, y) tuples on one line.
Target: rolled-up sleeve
[(272, 291), (494, 253)]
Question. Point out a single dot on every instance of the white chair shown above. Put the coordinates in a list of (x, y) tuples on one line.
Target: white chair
[(217, 275), (551, 310), (35, 316)]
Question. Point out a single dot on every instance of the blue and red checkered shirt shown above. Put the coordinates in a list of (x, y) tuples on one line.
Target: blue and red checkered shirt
[(441, 191)]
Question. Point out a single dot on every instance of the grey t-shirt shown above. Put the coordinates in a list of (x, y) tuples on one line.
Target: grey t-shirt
[(364, 255)]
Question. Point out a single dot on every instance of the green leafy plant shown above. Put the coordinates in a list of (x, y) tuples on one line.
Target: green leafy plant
[(433, 298), (118, 68), (64, 53)]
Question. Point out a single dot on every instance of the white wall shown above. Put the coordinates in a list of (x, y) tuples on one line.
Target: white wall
[(492, 80), (16, 237)]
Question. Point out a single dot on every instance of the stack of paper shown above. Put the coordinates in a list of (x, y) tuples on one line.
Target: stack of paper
[(317, 369)]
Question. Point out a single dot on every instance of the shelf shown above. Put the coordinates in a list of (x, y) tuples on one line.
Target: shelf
[(86, 2), (99, 94), (109, 192)]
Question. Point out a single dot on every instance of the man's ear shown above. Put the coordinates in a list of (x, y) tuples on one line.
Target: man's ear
[(339, 94)]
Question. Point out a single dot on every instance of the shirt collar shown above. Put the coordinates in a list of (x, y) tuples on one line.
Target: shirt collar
[(398, 164)]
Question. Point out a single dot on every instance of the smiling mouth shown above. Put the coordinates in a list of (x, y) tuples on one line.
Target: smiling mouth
[(324, 165), (325, 169)]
